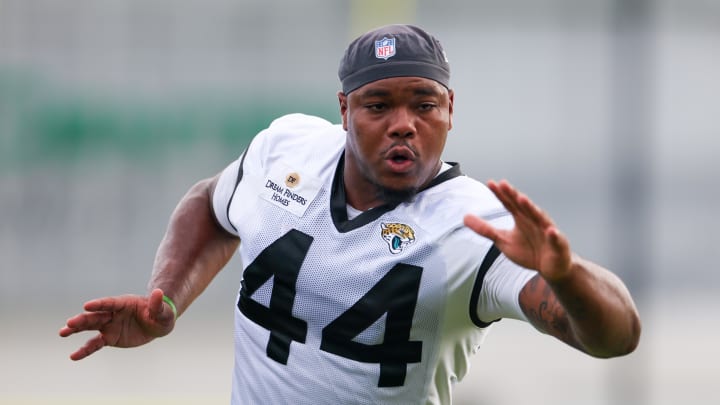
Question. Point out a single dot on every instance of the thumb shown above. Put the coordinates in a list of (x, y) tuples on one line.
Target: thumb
[(160, 313), (156, 306), (480, 226), (558, 241)]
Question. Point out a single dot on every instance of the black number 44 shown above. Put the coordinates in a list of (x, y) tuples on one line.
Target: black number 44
[(395, 295)]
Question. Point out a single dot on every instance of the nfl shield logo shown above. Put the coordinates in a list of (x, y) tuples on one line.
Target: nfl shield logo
[(385, 48)]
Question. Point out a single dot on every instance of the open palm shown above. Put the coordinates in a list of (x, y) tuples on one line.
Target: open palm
[(534, 242), (122, 321)]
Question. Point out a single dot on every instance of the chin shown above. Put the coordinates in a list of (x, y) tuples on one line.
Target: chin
[(397, 195)]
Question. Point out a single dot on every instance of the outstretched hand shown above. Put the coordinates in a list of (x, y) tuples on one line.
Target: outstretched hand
[(534, 242), (123, 321)]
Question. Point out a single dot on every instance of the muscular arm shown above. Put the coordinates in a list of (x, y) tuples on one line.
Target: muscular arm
[(573, 299), (195, 248), (192, 252), (590, 310)]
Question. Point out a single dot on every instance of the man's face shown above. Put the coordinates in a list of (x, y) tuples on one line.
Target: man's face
[(396, 132)]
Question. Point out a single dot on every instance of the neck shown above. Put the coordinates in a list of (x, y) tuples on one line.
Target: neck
[(363, 194)]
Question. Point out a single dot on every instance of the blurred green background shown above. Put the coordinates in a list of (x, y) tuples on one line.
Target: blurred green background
[(603, 111)]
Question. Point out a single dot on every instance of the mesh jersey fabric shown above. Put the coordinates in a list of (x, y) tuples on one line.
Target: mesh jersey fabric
[(374, 310)]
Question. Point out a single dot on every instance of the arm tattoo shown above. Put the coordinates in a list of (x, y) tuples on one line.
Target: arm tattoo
[(544, 311)]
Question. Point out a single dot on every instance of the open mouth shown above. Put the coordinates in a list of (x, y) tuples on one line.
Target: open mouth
[(400, 158)]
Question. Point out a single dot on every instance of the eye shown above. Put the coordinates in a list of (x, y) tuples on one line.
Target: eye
[(426, 106), (376, 106)]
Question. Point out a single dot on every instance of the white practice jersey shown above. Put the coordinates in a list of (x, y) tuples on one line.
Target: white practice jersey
[(383, 308)]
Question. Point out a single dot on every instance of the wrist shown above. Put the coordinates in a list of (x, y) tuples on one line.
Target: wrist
[(171, 304), (566, 273)]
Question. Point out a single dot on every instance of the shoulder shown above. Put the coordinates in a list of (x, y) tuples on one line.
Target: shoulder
[(448, 202), (297, 135), (441, 209), (297, 123), (464, 189), (294, 126)]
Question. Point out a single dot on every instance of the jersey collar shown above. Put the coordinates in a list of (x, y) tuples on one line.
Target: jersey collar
[(338, 199)]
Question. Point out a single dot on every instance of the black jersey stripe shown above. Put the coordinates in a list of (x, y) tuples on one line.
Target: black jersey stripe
[(237, 181), (338, 204), (451, 173), (338, 199), (487, 262)]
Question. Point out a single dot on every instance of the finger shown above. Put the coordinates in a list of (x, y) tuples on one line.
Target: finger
[(90, 347), (514, 197), (521, 206), (67, 331), (480, 226), (87, 321), (533, 212), (557, 240), (492, 185), (156, 305), (506, 194), (109, 304)]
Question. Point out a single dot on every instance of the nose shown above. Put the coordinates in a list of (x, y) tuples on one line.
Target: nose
[(402, 123)]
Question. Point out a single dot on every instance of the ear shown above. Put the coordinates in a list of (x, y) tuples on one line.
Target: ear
[(342, 100), (451, 98)]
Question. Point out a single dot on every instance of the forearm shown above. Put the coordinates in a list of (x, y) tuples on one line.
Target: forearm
[(193, 250), (601, 317)]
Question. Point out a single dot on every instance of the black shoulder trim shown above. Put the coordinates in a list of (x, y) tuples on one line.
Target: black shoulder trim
[(237, 181), (448, 174), (487, 262)]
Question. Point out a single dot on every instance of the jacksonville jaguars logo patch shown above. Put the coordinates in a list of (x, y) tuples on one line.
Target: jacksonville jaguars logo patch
[(398, 236)]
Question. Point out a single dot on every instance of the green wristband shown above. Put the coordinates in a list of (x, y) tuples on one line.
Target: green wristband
[(171, 303)]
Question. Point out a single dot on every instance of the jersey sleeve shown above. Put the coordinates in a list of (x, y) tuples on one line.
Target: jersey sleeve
[(499, 296), (283, 133), (224, 192), (501, 286)]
